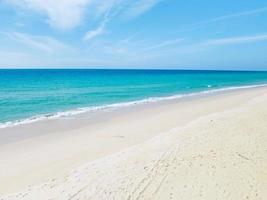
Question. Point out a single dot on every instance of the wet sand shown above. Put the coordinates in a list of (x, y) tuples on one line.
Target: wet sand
[(207, 147)]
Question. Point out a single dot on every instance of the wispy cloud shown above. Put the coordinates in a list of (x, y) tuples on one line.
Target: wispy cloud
[(114, 8), (222, 18), (94, 33), (234, 15), (163, 44), (67, 14), (42, 43), (236, 40), (63, 14), (98, 31), (211, 43), (139, 7)]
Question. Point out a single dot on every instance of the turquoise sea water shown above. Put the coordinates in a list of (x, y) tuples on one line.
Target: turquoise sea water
[(38, 94)]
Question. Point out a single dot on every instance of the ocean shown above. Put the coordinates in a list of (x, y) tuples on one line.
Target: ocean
[(31, 95)]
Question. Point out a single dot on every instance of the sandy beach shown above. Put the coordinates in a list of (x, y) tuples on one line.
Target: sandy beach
[(203, 147)]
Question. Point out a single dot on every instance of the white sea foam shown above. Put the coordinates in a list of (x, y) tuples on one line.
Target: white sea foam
[(119, 105)]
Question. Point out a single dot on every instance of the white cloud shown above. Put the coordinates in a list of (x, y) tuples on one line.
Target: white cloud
[(63, 14), (164, 44), (113, 8), (171, 47), (126, 8), (210, 43), (42, 43), (139, 7), (67, 14), (223, 18), (98, 31), (94, 33), (234, 15), (236, 40)]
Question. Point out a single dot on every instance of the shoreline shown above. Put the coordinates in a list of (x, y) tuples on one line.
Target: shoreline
[(107, 107), (57, 148)]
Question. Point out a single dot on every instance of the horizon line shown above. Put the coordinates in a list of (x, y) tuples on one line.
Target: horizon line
[(139, 69)]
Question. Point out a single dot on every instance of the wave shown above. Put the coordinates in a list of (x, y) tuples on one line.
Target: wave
[(119, 105)]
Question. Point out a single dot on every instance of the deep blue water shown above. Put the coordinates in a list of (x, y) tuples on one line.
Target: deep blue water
[(28, 93)]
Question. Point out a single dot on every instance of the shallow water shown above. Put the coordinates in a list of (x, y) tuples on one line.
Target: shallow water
[(38, 94)]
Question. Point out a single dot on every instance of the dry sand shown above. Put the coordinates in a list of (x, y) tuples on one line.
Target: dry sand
[(210, 147)]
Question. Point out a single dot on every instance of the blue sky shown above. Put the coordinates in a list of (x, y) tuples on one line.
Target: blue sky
[(168, 34)]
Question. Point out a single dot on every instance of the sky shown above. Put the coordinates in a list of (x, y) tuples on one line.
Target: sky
[(158, 34)]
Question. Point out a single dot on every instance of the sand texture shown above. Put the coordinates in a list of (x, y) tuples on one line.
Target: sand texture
[(208, 148)]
